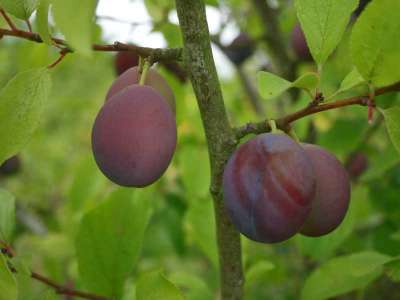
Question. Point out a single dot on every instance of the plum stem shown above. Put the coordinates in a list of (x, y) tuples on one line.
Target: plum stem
[(272, 125), (143, 73)]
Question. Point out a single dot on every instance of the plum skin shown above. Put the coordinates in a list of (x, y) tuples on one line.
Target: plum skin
[(269, 186), (332, 194), (134, 137), (153, 79), (299, 44), (240, 49), (11, 166), (125, 60)]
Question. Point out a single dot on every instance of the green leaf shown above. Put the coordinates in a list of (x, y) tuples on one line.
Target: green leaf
[(21, 9), (344, 274), (42, 21), (75, 20), (110, 238), (308, 81), (7, 214), (21, 109), (258, 271), (351, 80), (393, 270), (324, 23), (271, 85), (154, 286), (200, 227), (8, 284), (392, 120), (375, 42)]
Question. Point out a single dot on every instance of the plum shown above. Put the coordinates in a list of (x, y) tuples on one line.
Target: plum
[(269, 185), (11, 166), (332, 194), (153, 79), (356, 165), (125, 60), (134, 137), (299, 44), (240, 49)]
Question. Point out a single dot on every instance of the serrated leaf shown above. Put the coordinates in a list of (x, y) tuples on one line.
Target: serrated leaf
[(7, 215), (375, 42), (8, 284), (323, 23), (271, 85), (42, 21), (75, 20), (21, 9), (392, 120), (110, 238), (21, 103), (344, 274), (154, 286), (308, 81)]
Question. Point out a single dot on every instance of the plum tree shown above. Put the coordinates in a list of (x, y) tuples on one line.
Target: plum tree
[(11, 166), (299, 44), (332, 192), (153, 79), (268, 186), (240, 49), (125, 60), (134, 137)]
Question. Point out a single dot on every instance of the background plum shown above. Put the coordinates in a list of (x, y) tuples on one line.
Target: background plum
[(11, 166), (356, 165), (153, 79), (125, 60), (268, 188), (134, 137), (332, 192), (299, 44), (240, 49)]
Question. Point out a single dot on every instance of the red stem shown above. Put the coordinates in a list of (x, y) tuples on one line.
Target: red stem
[(8, 20)]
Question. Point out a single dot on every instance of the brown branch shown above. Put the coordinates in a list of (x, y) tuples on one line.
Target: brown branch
[(8, 19), (284, 122), (62, 290), (157, 54), (59, 59), (28, 23), (6, 249)]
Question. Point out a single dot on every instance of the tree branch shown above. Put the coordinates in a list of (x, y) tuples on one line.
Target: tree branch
[(275, 40), (7, 250), (284, 122), (8, 19), (157, 54), (221, 140)]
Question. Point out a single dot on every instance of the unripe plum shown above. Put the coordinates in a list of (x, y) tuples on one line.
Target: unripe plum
[(240, 49), (153, 79), (269, 185), (299, 44), (125, 60), (11, 166), (332, 192), (134, 137)]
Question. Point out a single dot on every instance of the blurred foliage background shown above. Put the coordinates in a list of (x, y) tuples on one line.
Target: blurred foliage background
[(59, 181)]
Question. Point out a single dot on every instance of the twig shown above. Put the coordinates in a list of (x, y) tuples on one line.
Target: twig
[(28, 23), (8, 20), (158, 54), (59, 59), (284, 122), (6, 249)]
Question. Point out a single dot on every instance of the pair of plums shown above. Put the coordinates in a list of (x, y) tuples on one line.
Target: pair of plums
[(275, 187), (134, 135)]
